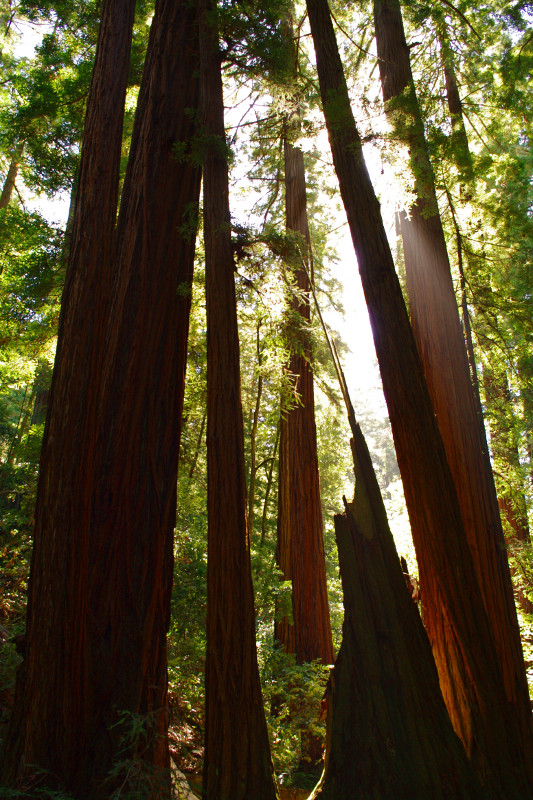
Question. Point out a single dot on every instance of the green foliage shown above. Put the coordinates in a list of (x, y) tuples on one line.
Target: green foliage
[(133, 775), (293, 694)]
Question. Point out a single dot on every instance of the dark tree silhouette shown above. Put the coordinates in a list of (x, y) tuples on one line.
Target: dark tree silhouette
[(102, 563)]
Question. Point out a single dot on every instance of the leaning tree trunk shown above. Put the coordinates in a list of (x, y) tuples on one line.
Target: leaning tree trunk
[(102, 563), (237, 763), (389, 734), (468, 667), (300, 543), (439, 337)]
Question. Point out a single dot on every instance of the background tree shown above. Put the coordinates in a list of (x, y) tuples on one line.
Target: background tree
[(300, 548)]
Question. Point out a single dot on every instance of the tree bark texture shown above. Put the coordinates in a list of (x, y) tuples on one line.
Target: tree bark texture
[(237, 764), (102, 564), (40, 730), (389, 733), (12, 172), (439, 337), (300, 544), (457, 625)]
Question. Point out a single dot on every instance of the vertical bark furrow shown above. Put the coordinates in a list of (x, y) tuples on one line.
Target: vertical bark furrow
[(102, 565)]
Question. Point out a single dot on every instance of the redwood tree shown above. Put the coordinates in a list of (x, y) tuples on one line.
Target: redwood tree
[(237, 764), (439, 337), (469, 670), (300, 543), (389, 736), (102, 562)]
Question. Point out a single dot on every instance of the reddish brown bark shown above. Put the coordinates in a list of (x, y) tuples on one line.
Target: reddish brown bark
[(237, 762), (39, 731), (102, 562), (439, 337), (300, 544), (468, 667), (389, 734)]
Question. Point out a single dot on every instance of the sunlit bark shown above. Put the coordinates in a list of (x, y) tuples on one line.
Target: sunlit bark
[(439, 337), (469, 670)]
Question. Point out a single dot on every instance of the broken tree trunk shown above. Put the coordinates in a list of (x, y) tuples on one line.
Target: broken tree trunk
[(389, 734)]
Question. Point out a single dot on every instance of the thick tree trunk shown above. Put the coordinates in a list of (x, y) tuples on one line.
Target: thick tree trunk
[(237, 762), (102, 563), (439, 337), (40, 731), (389, 734), (300, 546), (469, 670), (143, 377)]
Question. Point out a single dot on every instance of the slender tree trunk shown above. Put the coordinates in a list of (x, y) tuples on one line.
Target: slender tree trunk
[(462, 153), (268, 489), (198, 447), (237, 763), (439, 337), (389, 734), (469, 670), (9, 183), (253, 434), (102, 562)]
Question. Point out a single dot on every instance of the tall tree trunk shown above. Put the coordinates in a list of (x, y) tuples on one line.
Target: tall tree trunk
[(12, 172), (102, 563), (40, 732), (389, 735), (439, 337), (300, 546), (237, 762), (469, 670)]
